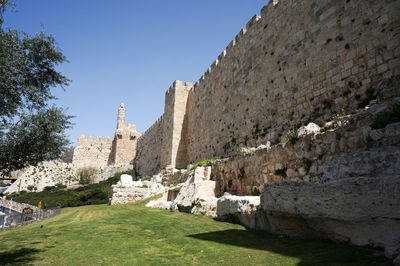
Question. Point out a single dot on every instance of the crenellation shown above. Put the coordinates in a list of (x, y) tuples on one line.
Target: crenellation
[(230, 45), (252, 21), (215, 63), (240, 35), (207, 72), (265, 10), (222, 55), (196, 84)]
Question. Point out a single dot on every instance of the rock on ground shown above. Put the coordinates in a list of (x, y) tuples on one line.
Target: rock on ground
[(136, 190), (196, 195), (206, 206), (311, 128), (358, 210), (240, 209)]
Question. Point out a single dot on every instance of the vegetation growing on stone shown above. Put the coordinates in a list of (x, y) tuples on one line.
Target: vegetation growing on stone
[(292, 136), (339, 117), (255, 192), (206, 162), (85, 175)]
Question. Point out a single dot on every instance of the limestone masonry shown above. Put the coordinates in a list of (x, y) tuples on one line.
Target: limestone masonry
[(103, 151), (300, 61)]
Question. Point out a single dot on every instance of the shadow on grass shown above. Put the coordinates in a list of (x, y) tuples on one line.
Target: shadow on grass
[(19, 256), (310, 252)]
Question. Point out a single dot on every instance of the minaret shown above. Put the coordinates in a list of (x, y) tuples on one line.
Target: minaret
[(121, 116)]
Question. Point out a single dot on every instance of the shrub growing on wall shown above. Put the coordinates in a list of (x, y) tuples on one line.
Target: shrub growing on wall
[(85, 175)]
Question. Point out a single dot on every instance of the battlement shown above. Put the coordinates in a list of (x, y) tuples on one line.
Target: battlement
[(179, 84), (132, 127), (91, 140), (249, 26)]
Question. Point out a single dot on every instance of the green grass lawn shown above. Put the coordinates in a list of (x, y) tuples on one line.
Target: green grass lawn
[(134, 234)]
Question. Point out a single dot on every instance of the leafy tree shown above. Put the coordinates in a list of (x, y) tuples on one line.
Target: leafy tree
[(31, 129)]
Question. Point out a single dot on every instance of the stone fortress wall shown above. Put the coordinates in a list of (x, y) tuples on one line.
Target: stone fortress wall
[(161, 145), (148, 156), (91, 150), (103, 151), (300, 61)]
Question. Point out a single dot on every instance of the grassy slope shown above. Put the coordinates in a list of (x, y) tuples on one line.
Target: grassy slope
[(134, 234)]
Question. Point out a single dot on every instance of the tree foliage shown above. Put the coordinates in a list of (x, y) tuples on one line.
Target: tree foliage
[(31, 129)]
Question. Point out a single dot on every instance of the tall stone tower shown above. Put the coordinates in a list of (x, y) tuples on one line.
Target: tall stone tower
[(121, 116), (173, 152), (124, 144)]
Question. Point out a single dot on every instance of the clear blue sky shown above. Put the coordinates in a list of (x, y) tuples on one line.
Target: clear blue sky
[(130, 51)]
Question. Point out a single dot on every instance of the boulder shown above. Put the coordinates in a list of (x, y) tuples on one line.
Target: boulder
[(264, 146), (239, 209), (197, 186), (126, 180), (380, 161), (202, 173), (161, 203), (311, 128), (206, 206), (358, 210)]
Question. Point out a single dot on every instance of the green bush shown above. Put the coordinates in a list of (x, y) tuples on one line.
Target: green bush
[(85, 175), (86, 195)]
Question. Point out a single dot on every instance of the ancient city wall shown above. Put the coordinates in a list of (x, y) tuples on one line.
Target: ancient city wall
[(174, 115), (148, 150), (92, 151), (161, 146), (300, 61)]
